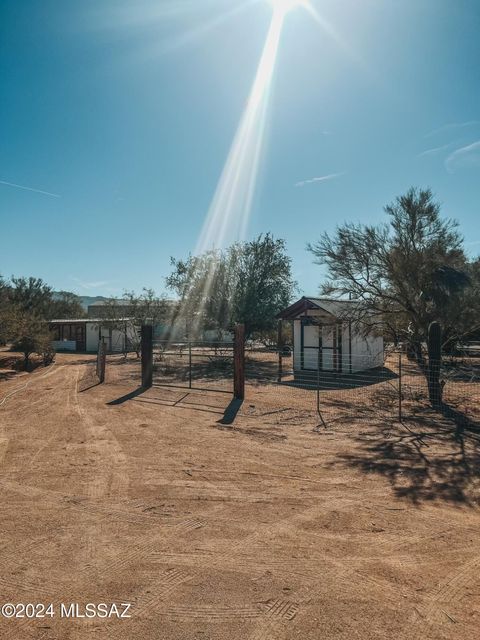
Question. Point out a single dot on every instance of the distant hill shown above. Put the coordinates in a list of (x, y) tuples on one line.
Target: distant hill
[(86, 300)]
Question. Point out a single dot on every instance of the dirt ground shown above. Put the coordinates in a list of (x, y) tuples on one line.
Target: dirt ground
[(225, 522)]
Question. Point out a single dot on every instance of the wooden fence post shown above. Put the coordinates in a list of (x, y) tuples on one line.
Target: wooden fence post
[(147, 355), (101, 360), (239, 362)]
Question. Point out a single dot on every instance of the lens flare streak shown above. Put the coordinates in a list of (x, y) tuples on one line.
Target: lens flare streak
[(229, 212)]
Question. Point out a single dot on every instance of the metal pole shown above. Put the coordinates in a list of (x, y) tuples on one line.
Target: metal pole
[(319, 359), (400, 387), (189, 364)]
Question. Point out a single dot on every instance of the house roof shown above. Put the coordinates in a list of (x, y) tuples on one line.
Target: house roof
[(334, 307)]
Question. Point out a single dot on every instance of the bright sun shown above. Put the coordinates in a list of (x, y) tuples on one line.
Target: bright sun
[(284, 6)]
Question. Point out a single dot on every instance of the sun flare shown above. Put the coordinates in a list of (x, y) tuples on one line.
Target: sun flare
[(284, 6)]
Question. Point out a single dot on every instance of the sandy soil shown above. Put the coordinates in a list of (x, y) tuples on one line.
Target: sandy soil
[(217, 526)]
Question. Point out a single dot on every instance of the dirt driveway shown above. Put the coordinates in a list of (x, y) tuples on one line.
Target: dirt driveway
[(260, 528)]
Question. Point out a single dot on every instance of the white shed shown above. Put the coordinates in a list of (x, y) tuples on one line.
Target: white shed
[(326, 337)]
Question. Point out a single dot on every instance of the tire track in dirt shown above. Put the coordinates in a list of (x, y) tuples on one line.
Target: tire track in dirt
[(56, 436), (110, 474), (151, 596), (4, 439), (273, 624), (447, 593)]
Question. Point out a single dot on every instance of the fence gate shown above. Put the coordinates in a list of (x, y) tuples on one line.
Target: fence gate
[(194, 364)]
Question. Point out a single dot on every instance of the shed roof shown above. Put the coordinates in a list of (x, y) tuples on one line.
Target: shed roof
[(334, 307)]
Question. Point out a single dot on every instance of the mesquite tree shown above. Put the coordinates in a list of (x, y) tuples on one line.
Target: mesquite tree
[(404, 274)]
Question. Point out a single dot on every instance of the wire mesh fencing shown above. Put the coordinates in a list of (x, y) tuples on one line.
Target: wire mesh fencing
[(461, 385), (368, 387), (334, 386), (193, 364), (334, 391)]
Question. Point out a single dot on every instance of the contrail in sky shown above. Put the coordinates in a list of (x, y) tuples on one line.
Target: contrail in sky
[(330, 176), (19, 186)]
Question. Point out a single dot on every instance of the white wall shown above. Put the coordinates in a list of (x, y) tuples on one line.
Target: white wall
[(92, 336), (367, 351), (296, 344), (114, 339)]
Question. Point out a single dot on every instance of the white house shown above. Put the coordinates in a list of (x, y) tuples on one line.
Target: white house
[(85, 334), (326, 337)]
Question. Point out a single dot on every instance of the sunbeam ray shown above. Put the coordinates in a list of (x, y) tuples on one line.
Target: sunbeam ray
[(231, 205), (229, 212)]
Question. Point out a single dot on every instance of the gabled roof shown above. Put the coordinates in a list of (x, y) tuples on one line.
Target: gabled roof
[(334, 307)]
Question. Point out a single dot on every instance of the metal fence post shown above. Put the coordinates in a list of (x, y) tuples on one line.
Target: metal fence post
[(319, 361), (189, 364), (147, 355), (239, 362), (400, 387)]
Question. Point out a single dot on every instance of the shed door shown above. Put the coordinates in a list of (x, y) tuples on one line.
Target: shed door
[(321, 347), (310, 346)]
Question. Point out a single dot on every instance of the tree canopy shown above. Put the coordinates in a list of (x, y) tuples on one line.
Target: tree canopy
[(26, 304), (404, 273), (133, 310), (249, 282)]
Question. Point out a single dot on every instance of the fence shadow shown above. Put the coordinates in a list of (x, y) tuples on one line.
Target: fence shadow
[(231, 412), (127, 396)]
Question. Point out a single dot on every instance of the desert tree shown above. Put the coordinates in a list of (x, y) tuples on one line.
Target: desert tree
[(29, 334), (404, 273), (65, 304), (248, 282), (133, 310), (4, 311), (30, 295), (264, 284)]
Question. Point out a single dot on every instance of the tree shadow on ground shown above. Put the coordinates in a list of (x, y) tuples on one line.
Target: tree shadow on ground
[(424, 459)]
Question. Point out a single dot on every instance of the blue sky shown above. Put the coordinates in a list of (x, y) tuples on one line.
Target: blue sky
[(116, 118)]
